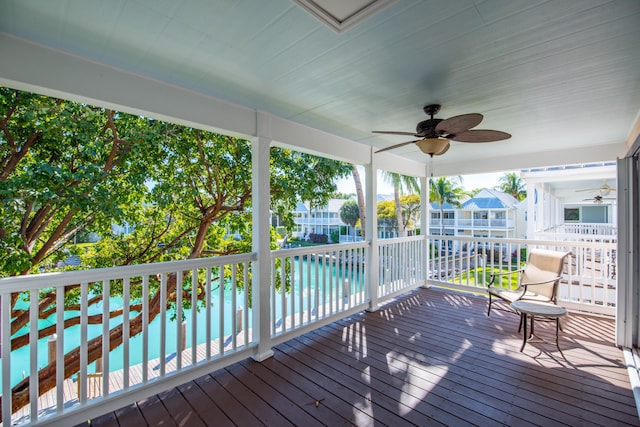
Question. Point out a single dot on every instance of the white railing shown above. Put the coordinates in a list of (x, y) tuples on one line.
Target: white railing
[(401, 265), (153, 350), (322, 284), (589, 282), (580, 231), (309, 287), (347, 238)]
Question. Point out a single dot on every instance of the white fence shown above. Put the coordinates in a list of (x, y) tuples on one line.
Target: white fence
[(320, 282), (589, 280), (169, 342), (154, 349), (401, 265)]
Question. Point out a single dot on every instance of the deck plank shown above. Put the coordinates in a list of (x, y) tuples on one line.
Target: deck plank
[(180, 409), (232, 408), (203, 405), (154, 412), (430, 358)]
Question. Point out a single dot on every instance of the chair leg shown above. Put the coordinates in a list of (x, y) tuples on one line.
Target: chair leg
[(489, 311), (520, 325)]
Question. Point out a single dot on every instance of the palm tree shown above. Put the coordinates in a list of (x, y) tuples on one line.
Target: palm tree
[(400, 183), (350, 214), (360, 196), (511, 183), (445, 190)]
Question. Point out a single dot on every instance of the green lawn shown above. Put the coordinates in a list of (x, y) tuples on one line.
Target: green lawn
[(482, 276)]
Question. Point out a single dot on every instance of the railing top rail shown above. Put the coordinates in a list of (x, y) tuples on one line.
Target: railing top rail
[(37, 281), (319, 248), (401, 239), (528, 242)]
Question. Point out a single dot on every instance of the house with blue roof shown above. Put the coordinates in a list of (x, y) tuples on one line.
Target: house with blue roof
[(490, 213)]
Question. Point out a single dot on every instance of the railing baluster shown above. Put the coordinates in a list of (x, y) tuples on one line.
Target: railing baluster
[(179, 335), (246, 303), (292, 293), (6, 359), (283, 294), (221, 313), (300, 291), (194, 317), (308, 287), (274, 275), (84, 357), (33, 355), (207, 327), (163, 323), (234, 307), (145, 328), (125, 332), (106, 304)]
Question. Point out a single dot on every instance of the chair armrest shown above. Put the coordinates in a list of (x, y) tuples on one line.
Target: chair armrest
[(495, 275), (541, 283)]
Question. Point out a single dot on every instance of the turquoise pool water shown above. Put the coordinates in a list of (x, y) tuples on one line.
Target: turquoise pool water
[(20, 358)]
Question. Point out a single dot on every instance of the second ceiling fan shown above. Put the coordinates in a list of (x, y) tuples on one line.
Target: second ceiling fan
[(435, 134)]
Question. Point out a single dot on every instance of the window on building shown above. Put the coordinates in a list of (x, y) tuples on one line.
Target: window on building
[(572, 214)]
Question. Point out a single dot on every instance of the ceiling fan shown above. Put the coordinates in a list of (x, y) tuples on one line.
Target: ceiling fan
[(605, 189), (435, 134), (598, 199)]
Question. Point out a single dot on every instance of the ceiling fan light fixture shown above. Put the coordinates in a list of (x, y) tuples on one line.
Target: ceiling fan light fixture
[(433, 146)]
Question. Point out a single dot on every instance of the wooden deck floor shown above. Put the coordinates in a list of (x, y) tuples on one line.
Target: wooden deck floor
[(431, 358)]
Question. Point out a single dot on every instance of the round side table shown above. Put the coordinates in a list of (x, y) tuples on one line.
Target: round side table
[(538, 309)]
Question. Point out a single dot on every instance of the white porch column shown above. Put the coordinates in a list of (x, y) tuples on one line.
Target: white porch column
[(425, 219), (371, 221), (261, 245)]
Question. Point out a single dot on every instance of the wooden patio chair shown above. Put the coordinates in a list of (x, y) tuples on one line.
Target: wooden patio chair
[(538, 281)]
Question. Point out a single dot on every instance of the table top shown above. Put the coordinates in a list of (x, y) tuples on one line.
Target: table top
[(539, 308)]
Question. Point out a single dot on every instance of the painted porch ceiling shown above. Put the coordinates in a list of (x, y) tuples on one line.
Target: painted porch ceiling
[(561, 76)]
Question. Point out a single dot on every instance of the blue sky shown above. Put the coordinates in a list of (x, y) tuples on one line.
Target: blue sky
[(469, 182)]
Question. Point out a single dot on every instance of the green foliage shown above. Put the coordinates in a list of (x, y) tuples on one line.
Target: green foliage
[(298, 176), (349, 213), (282, 231), (67, 168), (400, 184), (409, 208), (335, 236), (512, 184)]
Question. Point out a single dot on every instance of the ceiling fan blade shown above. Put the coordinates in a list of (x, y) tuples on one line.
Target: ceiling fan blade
[(455, 125), (480, 135), (394, 146), (391, 132), (588, 189)]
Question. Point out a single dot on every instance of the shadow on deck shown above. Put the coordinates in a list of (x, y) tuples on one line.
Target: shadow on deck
[(429, 358)]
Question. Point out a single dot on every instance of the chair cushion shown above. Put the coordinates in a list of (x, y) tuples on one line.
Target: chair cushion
[(533, 274), (510, 296)]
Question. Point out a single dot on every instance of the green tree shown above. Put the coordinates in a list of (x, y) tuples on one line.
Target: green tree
[(410, 208), (445, 190), (400, 184), (360, 198), (511, 183), (67, 167), (350, 214)]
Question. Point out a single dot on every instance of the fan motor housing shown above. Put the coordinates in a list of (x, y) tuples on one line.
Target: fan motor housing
[(427, 128)]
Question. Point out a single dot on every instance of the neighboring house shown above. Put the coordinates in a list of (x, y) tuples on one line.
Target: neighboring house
[(326, 220), (319, 220), (571, 201), (490, 213)]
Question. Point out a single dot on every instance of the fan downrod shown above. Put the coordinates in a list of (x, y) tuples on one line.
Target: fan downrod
[(431, 109)]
